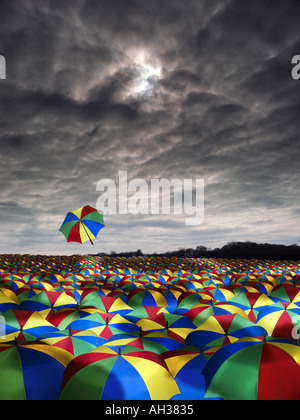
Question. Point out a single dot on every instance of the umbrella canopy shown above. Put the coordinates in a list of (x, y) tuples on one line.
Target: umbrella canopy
[(25, 325), (202, 311), (47, 299), (64, 316), (106, 374), (148, 297), (75, 343), (279, 319), (286, 293), (8, 300), (251, 303), (32, 371), (251, 369), (155, 341), (186, 367), (111, 323), (82, 225), (175, 326), (220, 330)]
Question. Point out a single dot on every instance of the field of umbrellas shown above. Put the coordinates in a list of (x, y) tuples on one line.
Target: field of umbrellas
[(148, 328)]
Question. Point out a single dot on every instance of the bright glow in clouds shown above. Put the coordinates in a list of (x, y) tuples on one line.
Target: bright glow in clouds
[(148, 72)]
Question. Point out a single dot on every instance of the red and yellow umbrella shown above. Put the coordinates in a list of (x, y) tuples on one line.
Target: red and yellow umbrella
[(82, 225), (106, 374)]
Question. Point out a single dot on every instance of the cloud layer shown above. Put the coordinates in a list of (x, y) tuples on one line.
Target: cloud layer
[(182, 89)]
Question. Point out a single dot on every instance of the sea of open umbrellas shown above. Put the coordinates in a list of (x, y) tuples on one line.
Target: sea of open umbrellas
[(141, 328)]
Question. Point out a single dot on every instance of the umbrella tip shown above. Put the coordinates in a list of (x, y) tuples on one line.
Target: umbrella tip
[(119, 351), (106, 322), (16, 342), (265, 337), (70, 330)]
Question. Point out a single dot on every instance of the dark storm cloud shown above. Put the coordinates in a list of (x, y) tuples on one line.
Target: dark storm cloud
[(80, 103)]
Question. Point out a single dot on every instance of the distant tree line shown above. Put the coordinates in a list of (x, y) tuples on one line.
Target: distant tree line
[(243, 250)]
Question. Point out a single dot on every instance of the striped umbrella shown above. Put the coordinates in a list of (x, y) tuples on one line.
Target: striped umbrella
[(186, 367), (111, 323), (47, 299), (75, 343), (25, 325), (155, 341), (252, 369), (175, 326), (220, 330), (106, 374), (82, 225), (32, 371), (251, 303), (202, 311), (279, 319)]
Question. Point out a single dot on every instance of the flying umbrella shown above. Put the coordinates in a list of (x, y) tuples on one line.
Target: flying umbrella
[(32, 371), (252, 369), (82, 224), (106, 374)]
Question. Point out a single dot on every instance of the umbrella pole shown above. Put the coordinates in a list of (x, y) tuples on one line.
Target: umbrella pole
[(86, 232)]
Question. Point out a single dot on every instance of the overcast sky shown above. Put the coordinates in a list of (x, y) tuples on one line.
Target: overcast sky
[(186, 89)]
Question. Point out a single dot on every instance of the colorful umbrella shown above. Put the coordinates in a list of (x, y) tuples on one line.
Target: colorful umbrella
[(155, 341), (82, 224), (175, 326), (8, 300), (279, 319), (186, 366), (202, 311), (62, 318), (109, 375), (251, 303), (251, 369), (220, 330), (75, 343), (286, 293), (32, 371), (47, 299), (148, 297), (25, 325), (97, 322)]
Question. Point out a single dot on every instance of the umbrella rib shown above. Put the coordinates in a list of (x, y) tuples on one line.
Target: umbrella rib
[(86, 232)]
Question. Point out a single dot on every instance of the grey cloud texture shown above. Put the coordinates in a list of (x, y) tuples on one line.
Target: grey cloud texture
[(182, 89)]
